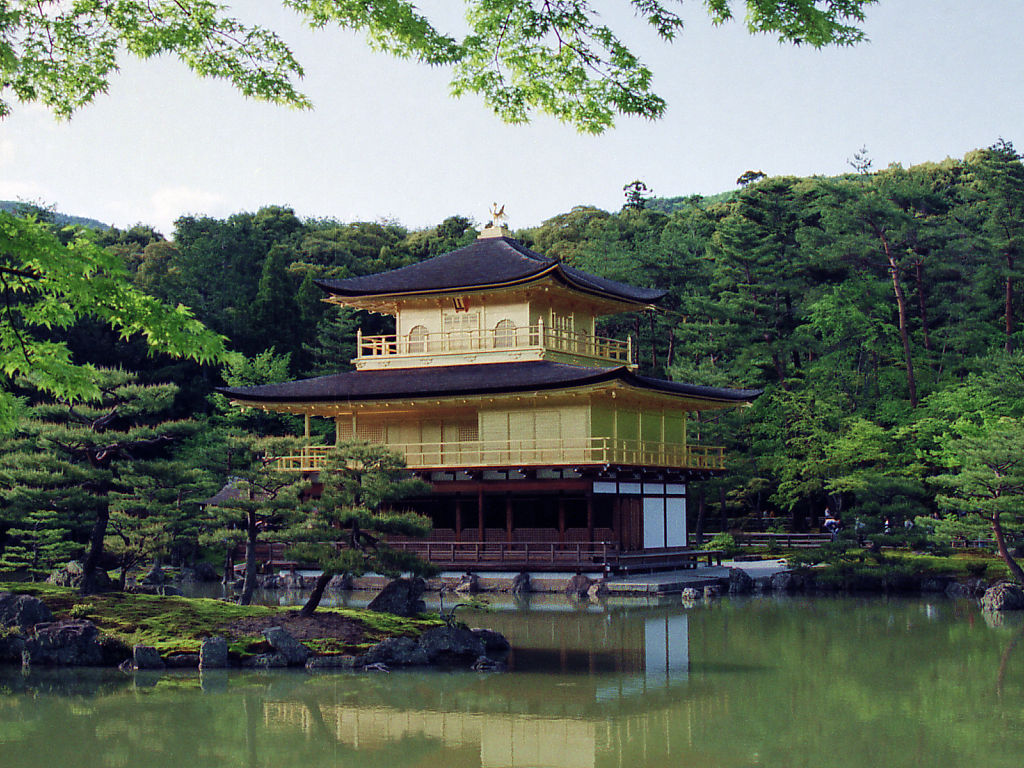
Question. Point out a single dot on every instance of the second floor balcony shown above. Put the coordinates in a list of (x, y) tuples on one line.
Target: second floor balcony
[(537, 452), (534, 342)]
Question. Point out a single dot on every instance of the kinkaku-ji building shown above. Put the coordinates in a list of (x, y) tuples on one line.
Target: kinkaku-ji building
[(545, 449)]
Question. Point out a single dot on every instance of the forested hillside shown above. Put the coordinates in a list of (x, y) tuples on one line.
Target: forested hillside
[(881, 313)]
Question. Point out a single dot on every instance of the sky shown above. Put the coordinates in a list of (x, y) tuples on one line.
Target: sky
[(385, 141)]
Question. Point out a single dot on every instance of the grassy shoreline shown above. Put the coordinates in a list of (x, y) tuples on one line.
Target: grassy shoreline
[(179, 625)]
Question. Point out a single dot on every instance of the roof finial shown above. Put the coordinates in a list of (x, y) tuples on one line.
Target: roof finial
[(496, 226)]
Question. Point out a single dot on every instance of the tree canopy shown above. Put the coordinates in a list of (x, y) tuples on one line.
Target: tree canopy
[(522, 56)]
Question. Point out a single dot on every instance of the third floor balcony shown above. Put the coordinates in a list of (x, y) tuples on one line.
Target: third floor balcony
[(534, 342)]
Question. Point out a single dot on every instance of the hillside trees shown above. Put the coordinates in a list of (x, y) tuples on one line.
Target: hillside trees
[(47, 285)]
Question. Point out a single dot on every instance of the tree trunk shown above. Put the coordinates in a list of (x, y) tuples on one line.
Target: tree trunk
[(249, 586), (997, 530), (722, 511), (901, 306), (317, 594), (1008, 303), (95, 556)]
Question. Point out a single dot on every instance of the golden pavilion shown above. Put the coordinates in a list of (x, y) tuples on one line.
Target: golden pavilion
[(545, 448)]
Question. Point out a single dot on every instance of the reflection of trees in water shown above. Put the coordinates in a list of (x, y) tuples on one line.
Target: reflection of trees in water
[(838, 682)]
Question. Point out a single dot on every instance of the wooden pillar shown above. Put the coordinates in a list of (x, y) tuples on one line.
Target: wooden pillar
[(590, 516), (561, 519), (480, 512), (306, 425), (617, 521), (508, 517), (458, 518)]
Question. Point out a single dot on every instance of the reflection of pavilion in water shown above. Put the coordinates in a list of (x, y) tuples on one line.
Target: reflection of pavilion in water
[(543, 717)]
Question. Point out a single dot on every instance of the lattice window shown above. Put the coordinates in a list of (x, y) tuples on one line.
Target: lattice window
[(459, 329), (373, 432), (468, 431)]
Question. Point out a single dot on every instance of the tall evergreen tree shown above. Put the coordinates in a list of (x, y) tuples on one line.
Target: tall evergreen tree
[(74, 458), (361, 482)]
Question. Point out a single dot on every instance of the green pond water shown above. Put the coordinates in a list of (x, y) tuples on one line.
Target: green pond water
[(761, 682)]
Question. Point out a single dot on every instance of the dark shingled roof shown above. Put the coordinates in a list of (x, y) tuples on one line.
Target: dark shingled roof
[(455, 380), (488, 261)]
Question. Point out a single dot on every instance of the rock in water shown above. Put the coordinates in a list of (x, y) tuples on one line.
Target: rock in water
[(494, 642), (398, 652), (146, 657), (213, 653), (446, 645), (597, 590), (282, 642), (402, 597), (740, 582), (469, 584), (521, 583), (22, 611), (71, 643), (1004, 596), (690, 593), (578, 586)]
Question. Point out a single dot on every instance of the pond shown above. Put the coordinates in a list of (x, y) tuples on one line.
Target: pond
[(733, 683)]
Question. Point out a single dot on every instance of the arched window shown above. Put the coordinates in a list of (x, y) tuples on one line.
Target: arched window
[(504, 334), (418, 339)]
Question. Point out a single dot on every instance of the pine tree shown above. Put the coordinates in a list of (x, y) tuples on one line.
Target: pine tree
[(260, 500), (74, 458), (37, 544), (343, 536)]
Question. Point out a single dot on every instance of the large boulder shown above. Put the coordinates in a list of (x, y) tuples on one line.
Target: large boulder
[(450, 645), (521, 583), (146, 657), (959, 590), (740, 582), (578, 586), (1004, 596), (397, 652), (156, 575), (213, 653), (11, 647), (402, 597), (70, 643), (787, 581), (469, 584), (294, 652), (494, 642), (22, 611), (70, 575)]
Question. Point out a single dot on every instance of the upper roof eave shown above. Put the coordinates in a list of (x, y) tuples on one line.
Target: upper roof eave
[(487, 263), (467, 380)]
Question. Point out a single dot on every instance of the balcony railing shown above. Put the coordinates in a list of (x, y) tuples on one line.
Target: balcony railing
[(551, 452), (537, 337)]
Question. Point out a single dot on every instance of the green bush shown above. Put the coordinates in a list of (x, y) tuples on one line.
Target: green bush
[(724, 542)]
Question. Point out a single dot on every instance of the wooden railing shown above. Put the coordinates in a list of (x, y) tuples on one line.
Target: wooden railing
[(788, 540), (590, 556), (494, 340), (555, 451)]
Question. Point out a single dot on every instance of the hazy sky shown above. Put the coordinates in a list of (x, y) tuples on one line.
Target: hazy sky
[(937, 79)]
